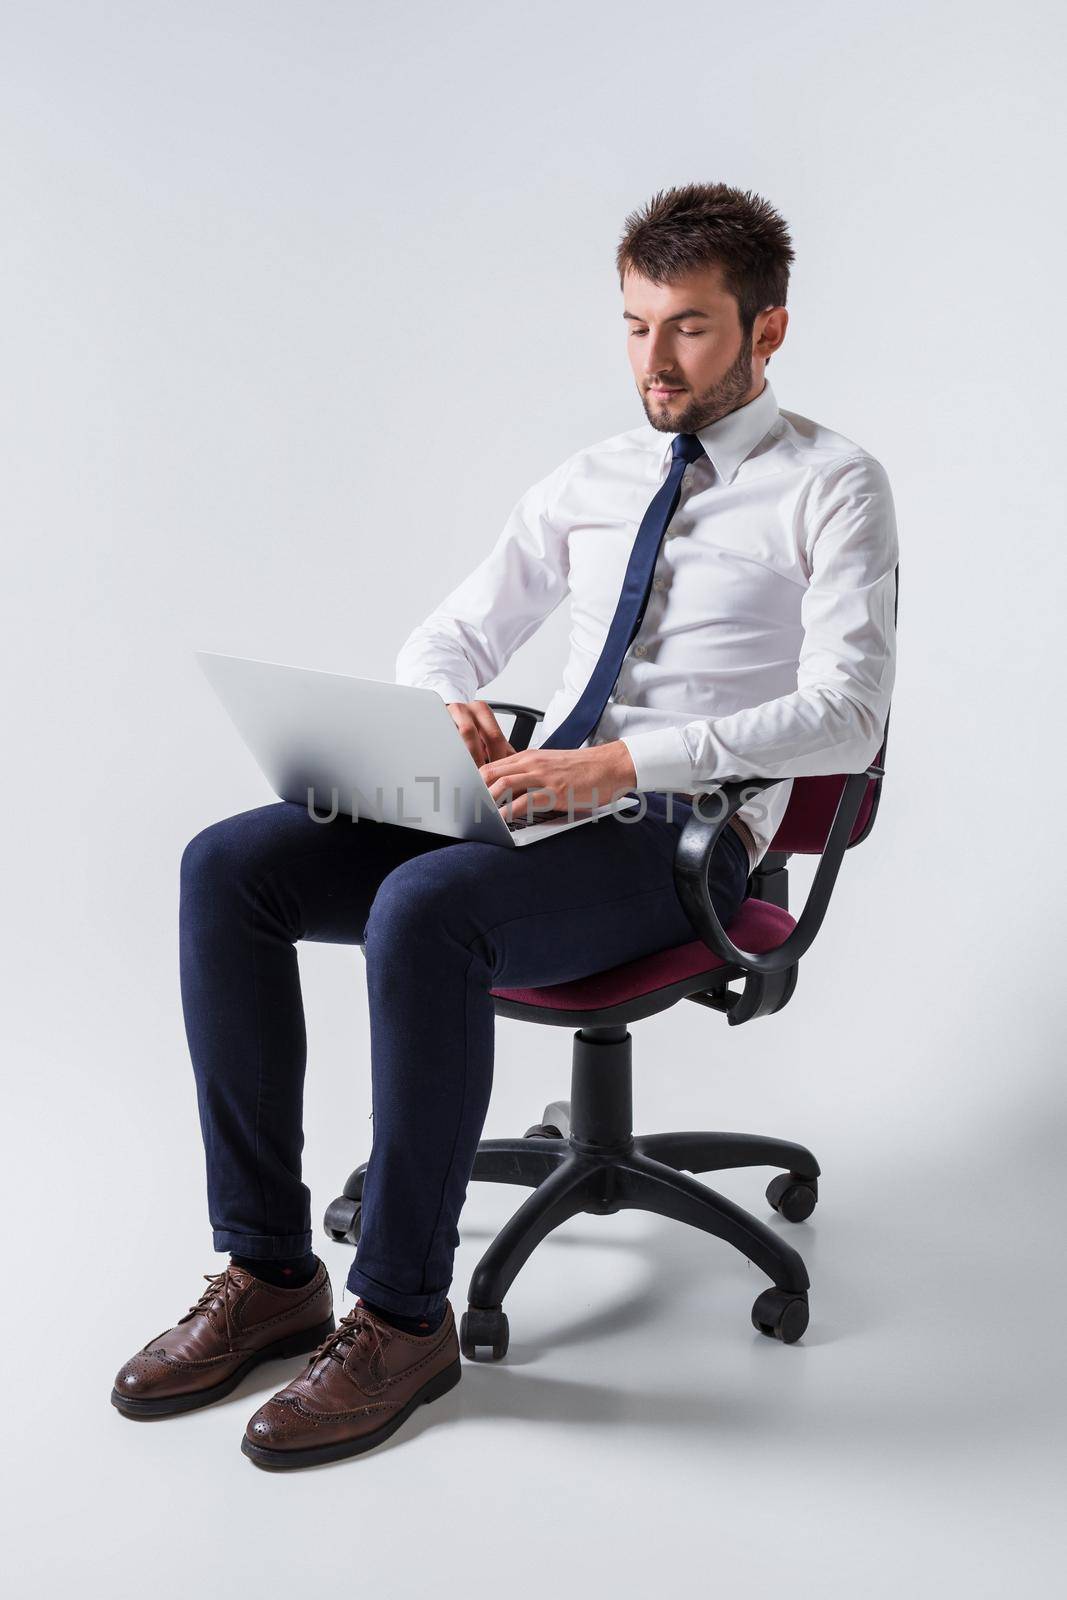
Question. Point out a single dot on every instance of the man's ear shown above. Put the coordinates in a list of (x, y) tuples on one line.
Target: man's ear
[(771, 332)]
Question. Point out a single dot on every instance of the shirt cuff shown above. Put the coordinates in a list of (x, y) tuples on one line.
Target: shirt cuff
[(660, 760), (442, 686)]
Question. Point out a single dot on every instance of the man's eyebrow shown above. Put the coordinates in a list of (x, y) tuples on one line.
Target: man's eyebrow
[(693, 311)]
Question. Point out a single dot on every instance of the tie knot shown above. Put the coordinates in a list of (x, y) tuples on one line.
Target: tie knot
[(686, 447)]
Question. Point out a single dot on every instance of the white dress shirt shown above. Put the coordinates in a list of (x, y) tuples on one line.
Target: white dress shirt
[(767, 648)]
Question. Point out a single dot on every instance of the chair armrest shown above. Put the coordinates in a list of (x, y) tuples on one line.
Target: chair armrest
[(526, 720), (693, 856)]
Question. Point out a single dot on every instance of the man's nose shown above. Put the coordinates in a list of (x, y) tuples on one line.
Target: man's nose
[(658, 361)]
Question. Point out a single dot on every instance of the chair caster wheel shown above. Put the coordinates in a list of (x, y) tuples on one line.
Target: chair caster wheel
[(353, 1189), (792, 1197), (342, 1220), (479, 1328), (781, 1315), (542, 1130)]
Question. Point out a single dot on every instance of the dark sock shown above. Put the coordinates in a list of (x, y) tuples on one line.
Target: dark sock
[(284, 1272), (421, 1326)]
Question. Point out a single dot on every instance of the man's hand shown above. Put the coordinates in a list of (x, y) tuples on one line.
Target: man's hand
[(482, 733), (558, 780)]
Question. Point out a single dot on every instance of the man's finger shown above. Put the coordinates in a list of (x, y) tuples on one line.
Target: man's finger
[(469, 731), (529, 804), (514, 780), (496, 742), (517, 796), (508, 793), (512, 783)]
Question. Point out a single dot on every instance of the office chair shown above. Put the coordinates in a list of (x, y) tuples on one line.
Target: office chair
[(583, 1154)]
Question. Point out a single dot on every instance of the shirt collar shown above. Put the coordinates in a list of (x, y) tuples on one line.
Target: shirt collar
[(733, 437)]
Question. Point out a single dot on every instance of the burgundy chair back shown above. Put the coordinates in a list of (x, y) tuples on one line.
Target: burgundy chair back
[(806, 825)]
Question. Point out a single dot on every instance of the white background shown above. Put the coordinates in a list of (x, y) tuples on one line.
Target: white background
[(297, 300)]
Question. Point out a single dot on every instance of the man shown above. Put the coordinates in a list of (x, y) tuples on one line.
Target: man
[(731, 573)]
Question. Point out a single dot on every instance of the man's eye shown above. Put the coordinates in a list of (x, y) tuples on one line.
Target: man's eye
[(639, 333)]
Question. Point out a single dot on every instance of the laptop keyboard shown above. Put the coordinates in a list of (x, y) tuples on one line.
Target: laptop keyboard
[(528, 822)]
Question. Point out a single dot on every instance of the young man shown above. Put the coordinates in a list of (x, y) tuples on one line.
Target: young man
[(731, 573)]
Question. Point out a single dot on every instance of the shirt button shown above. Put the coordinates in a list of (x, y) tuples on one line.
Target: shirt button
[(659, 583), (620, 699), (640, 649)]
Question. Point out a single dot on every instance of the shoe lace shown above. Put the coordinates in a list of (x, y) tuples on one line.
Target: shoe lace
[(357, 1328), (217, 1292)]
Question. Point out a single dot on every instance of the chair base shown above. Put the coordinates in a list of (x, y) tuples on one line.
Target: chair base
[(645, 1175), (584, 1157)]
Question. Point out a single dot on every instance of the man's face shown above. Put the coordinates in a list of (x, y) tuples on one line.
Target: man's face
[(694, 368)]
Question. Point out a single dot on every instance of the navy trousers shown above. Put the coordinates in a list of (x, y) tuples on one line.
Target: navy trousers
[(441, 923)]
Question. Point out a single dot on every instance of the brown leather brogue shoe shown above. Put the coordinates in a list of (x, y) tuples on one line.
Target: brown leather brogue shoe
[(358, 1387), (237, 1323)]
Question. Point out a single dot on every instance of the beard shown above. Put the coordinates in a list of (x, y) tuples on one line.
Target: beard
[(700, 411)]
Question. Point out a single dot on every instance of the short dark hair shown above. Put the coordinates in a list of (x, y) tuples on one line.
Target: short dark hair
[(704, 224)]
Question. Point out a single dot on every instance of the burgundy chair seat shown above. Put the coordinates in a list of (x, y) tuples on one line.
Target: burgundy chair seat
[(758, 926)]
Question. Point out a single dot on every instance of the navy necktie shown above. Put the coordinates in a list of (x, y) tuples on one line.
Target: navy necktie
[(586, 713)]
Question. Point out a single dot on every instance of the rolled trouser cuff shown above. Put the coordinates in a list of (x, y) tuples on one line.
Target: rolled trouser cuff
[(405, 1305), (262, 1246)]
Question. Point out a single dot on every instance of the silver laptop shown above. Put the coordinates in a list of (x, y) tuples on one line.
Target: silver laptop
[(380, 751)]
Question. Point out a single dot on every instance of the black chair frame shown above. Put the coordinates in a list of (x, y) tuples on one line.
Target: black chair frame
[(583, 1156)]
